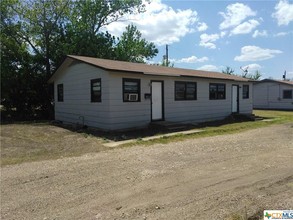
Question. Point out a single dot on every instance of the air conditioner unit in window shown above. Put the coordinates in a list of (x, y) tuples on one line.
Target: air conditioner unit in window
[(132, 97)]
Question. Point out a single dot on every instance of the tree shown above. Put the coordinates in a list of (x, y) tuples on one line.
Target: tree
[(245, 73), (228, 70), (47, 25), (40, 21), (32, 26), (21, 84), (131, 47), (37, 34), (83, 31), (166, 63), (255, 76), (92, 15)]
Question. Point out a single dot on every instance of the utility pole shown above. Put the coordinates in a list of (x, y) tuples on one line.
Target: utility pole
[(167, 55)]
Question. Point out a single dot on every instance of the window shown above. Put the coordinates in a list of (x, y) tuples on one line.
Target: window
[(60, 92), (131, 90), (96, 90), (287, 94), (217, 91), (185, 91), (245, 92)]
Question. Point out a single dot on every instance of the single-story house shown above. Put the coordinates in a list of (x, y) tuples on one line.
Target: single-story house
[(114, 95), (273, 94)]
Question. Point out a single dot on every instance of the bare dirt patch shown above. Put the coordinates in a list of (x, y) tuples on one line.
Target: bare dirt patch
[(39, 141), (216, 177)]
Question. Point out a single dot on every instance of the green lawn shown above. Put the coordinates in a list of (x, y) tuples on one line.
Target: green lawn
[(270, 118)]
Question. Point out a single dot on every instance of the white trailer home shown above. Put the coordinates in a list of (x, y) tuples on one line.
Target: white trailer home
[(273, 94), (114, 95)]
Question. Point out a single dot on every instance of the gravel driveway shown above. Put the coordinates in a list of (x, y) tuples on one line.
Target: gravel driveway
[(205, 178)]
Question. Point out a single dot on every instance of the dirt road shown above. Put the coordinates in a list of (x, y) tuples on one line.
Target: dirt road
[(206, 178)]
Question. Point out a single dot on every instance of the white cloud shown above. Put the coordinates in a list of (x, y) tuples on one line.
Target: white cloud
[(258, 33), (245, 27), (208, 68), (160, 23), (254, 53), (207, 39), (252, 67), (281, 34), (192, 59), (235, 14), (289, 74), (223, 33), (202, 26), (283, 12)]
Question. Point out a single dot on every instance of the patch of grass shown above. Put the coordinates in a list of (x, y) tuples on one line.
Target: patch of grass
[(227, 127)]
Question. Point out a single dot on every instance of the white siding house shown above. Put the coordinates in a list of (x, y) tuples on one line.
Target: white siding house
[(114, 95), (273, 94)]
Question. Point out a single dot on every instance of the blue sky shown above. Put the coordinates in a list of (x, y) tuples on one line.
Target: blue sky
[(210, 35)]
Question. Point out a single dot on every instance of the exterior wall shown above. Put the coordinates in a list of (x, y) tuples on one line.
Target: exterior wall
[(269, 95), (114, 114), (137, 114), (77, 107), (128, 114), (203, 109)]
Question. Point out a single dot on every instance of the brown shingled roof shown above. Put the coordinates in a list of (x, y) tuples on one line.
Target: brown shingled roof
[(114, 65)]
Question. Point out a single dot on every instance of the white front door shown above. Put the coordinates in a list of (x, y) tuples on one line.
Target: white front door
[(235, 99), (157, 100)]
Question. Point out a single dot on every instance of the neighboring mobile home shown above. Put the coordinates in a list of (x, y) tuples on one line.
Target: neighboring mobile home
[(273, 94), (114, 95)]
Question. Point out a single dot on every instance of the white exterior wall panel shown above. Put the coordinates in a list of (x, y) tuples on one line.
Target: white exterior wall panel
[(269, 95), (77, 107), (113, 114), (138, 114), (124, 115)]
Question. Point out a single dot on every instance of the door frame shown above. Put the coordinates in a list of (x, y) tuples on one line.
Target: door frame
[(162, 93), (237, 99)]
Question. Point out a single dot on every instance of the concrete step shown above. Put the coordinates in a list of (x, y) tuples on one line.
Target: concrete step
[(170, 126), (250, 117)]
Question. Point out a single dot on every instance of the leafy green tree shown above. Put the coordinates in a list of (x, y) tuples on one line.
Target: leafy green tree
[(30, 27), (21, 83), (37, 34), (131, 47), (255, 76), (91, 15), (83, 31), (40, 21), (228, 70), (166, 63), (245, 73), (71, 25)]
